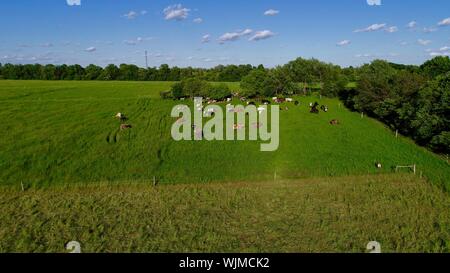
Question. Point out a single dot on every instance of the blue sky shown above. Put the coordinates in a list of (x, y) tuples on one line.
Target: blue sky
[(271, 32)]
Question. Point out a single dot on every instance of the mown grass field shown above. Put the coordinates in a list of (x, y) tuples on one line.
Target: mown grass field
[(86, 180), (402, 212)]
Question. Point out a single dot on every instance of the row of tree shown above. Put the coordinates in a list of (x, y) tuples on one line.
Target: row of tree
[(195, 87), (297, 77), (124, 72), (413, 100)]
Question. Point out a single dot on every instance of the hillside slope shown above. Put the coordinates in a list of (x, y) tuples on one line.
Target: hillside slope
[(64, 133)]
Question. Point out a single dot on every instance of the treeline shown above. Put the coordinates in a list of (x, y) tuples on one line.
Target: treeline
[(124, 72), (415, 100)]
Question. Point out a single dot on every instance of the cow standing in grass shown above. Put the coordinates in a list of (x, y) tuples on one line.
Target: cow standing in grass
[(314, 109), (121, 117)]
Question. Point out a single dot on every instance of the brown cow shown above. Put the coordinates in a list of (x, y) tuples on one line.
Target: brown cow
[(125, 126), (334, 122)]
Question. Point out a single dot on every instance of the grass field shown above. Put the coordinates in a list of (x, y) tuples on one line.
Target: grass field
[(64, 132), (86, 180), (403, 213)]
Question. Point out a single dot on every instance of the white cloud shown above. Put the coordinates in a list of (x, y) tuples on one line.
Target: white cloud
[(74, 2), (262, 35), (374, 27), (206, 39), (412, 24), (246, 32), (47, 45), (374, 2), (445, 22), (392, 29), (234, 36), (137, 40), (435, 54), (176, 12), (366, 55), (198, 20), (130, 42), (444, 48), (271, 12), (131, 15), (429, 29), (423, 42), (229, 36), (344, 43), (90, 49)]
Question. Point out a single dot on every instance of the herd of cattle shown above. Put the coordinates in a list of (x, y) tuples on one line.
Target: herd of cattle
[(314, 109)]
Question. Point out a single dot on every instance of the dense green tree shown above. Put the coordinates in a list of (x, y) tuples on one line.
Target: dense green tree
[(177, 90), (219, 91), (110, 73), (254, 83), (194, 87), (128, 72), (437, 66), (92, 72)]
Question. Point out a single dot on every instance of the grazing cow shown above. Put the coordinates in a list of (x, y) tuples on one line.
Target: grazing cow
[(378, 165), (261, 109), (280, 100), (238, 126), (125, 127), (334, 122), (314, 109), (257, 125), (289, 100), (121, 117), (324, 108), (229, 99), (210, 112)]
